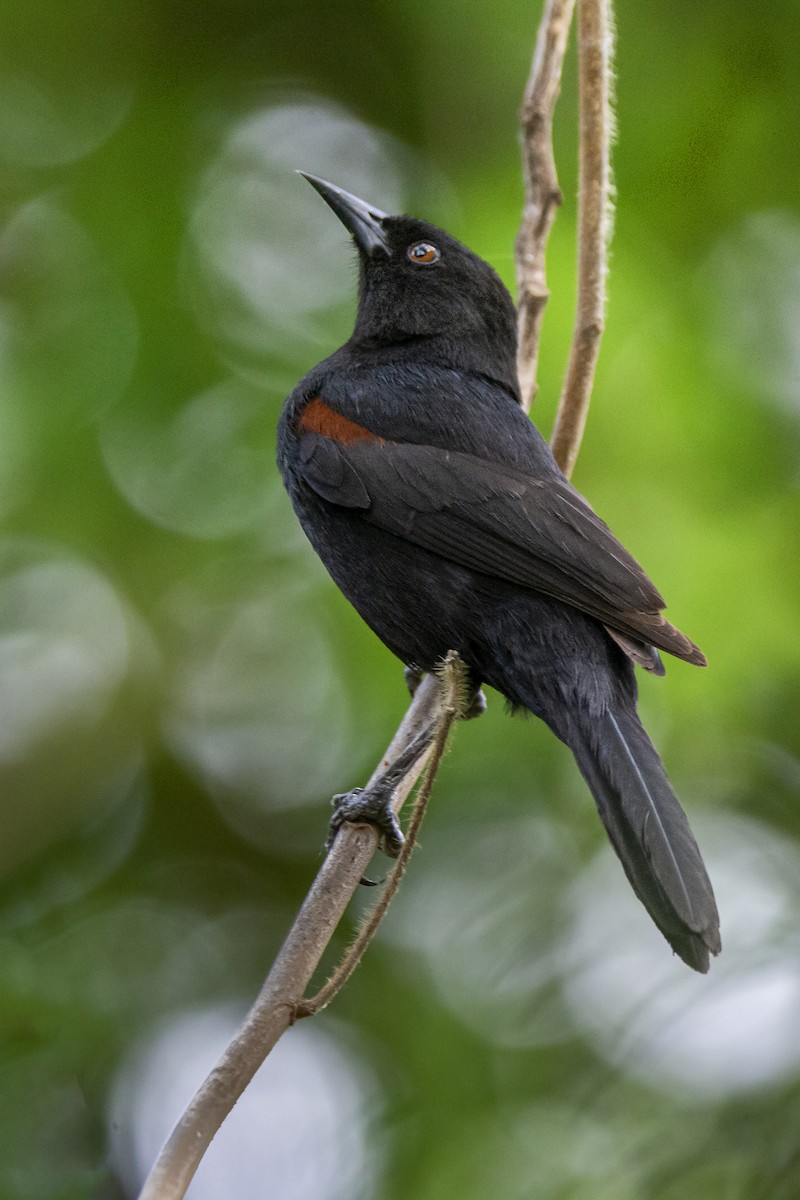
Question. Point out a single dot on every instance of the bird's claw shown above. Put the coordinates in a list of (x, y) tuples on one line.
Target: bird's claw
[(370, 806)]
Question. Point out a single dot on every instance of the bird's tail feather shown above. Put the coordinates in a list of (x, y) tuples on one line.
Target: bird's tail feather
[(649, 831)]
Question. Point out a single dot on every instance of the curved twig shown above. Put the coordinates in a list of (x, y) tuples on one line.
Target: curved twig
[(280, 1000), (595, 45), (542, 193)]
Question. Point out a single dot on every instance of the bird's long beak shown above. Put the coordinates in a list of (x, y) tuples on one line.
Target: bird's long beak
[(364, 221)]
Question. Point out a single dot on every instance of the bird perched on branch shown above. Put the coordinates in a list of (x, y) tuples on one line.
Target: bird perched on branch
[(439, 511)]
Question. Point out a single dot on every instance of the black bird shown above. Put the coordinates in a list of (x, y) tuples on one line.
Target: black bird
[(439, 511)]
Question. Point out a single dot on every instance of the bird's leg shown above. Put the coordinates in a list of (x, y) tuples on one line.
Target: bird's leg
[(477, 705), (473, 702), (373, 805), (413, 677)]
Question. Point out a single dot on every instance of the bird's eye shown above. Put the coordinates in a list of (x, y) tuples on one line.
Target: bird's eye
[(423, 253)]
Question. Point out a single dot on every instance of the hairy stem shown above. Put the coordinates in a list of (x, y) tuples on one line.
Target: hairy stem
[(542, 193), (436, 702), (595, 44)]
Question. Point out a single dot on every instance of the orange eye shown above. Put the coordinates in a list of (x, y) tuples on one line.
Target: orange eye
[(423, 253)]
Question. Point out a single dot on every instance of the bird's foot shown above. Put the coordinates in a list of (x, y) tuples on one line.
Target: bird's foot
[(373, 805), (368, 806)]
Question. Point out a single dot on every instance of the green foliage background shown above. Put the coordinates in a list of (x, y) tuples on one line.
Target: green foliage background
[(182, 687)]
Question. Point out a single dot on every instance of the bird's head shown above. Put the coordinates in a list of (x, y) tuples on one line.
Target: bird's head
[(416, 282)]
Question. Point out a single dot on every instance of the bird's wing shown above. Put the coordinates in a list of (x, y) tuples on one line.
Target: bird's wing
[(495, 519)]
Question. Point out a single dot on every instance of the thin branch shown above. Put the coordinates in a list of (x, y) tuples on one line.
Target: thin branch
[(595, 45), (280, 998), (431, 713), (542, 193)]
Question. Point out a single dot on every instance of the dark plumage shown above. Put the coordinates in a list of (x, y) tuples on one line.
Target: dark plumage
[(439, 511)]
